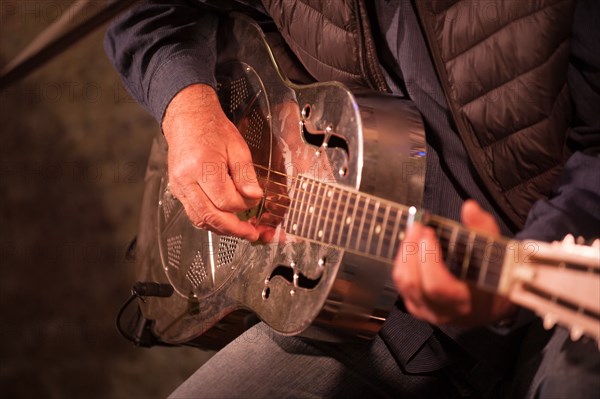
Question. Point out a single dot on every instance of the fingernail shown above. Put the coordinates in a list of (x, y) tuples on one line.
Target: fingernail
[(474, 203), (429, 233), (253, 190), (416, 229)]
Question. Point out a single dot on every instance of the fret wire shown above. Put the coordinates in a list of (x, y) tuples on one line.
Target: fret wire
[(305, 205), (353, 218), (362, 223), (477, 268), (356, 218), (383, 229), (491, 244), (452, 246), (288, 210), (320, 220), (304, 192), (378, 230), (296, 205), (292, 209), (296, 213), (313, 206), (321, 197), (489, 277), (373, 223), (343, 225), (395, 237), (483, 265), (297, 209), (479, 248), (335, 214), (467, 258), (455, 254), (441, 229), (326, 221), (495, 265), (438, 230), (312, 209)]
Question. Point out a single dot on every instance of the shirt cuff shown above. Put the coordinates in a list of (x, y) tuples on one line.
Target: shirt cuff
[(171, 77)]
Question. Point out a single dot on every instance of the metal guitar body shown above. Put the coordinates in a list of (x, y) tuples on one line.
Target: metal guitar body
[(364, 140)]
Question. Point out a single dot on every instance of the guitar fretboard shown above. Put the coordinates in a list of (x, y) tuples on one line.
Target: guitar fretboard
[(373, 227)]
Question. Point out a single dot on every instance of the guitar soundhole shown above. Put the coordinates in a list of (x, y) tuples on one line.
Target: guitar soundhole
[(301, 280), (317, 139)]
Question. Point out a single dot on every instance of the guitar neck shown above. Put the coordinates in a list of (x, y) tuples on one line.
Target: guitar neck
[(373, 227)]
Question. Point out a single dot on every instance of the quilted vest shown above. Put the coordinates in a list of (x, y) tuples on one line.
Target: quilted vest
[(502, 66)]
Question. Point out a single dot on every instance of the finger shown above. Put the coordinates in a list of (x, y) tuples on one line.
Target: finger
[(242, 168), (421, 312), (204, 215), (219, 187), (442, 292), (473, 216), (406, 273), (209, 171)]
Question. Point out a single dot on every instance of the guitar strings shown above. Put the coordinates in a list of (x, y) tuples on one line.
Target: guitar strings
[(311, 195), (354, 208), (444, 232), (323, 212), (490, 278), (441, 223), (365, 213)]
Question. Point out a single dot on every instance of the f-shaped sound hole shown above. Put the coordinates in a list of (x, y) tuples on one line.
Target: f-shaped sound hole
[(287, 273), (318, 139)]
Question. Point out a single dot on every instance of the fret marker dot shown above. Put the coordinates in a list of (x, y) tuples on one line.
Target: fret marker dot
[(329, 193), (320, 233), (401, 236), (311, 209), (294, 227), (348, 220), (304, 185), (377, 229)]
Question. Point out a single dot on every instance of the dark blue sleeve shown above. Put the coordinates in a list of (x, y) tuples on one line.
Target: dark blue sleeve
[(574, 206), (159, 47)]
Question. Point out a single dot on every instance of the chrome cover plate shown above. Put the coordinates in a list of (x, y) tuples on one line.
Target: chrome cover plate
[(367, 141)]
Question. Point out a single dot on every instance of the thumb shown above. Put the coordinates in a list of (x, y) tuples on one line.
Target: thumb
[(473, 216), (242, 170)]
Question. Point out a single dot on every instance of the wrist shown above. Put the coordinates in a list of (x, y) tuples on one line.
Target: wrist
[(189, 100)]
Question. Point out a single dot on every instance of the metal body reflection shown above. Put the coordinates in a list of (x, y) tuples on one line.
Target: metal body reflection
[(321, 268)]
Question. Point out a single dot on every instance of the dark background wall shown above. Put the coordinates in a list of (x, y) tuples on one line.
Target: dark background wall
[(72, 156)]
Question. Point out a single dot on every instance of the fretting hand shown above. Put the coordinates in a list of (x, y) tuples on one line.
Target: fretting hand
[(431, 292)]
